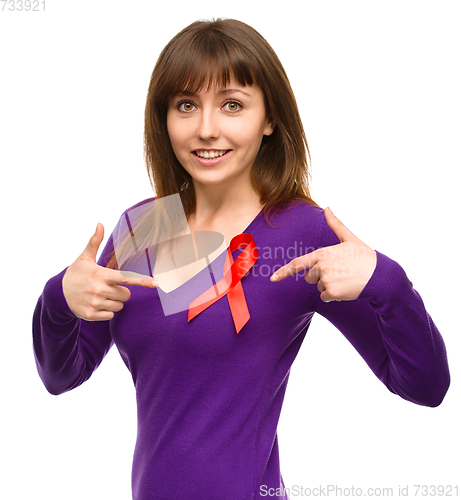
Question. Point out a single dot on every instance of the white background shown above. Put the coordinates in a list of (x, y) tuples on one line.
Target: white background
[(377, 84)]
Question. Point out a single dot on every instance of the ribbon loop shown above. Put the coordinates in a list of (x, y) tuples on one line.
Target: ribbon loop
[(230, 284)]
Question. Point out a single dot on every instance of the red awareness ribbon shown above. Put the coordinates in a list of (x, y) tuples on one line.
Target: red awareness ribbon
[(230, 283)]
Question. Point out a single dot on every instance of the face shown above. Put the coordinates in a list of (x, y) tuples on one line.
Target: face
[(216, 135)]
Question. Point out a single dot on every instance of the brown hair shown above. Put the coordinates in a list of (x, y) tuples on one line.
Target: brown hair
[(208, 53), (211, 52)]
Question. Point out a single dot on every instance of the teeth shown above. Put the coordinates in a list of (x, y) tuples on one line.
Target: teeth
[(210, 154)]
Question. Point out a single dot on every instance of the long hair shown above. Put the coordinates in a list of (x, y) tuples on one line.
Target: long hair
[(210, 53)]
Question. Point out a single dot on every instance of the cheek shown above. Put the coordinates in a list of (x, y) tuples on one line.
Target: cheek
[(171, 130), (175, 134), (247, 133)]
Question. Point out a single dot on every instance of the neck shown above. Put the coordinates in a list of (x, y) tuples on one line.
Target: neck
[(216, 202), (227, 211)]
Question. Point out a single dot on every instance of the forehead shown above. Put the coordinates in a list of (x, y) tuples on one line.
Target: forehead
[(203, 74), (213, 83), (232, 88), (200, 59)]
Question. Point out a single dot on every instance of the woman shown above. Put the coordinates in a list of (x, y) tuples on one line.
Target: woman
[(223, 134)]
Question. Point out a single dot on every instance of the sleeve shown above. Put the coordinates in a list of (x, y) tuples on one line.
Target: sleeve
[(390, 328), (67, 349)]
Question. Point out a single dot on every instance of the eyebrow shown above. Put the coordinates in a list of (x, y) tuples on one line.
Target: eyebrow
[(231, 91), (221, 92)]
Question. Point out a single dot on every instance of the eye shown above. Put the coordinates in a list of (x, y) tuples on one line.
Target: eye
[(233, 106), (186, 106)]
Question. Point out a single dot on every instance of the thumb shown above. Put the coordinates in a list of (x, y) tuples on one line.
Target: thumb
[(91, 250), (341, 231)]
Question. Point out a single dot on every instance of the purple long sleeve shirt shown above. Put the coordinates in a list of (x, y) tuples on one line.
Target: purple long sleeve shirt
[(209, 400)]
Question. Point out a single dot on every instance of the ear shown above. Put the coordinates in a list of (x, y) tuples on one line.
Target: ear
[(269, 128)]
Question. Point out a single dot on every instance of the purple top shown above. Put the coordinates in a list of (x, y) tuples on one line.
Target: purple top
[(208, 399)]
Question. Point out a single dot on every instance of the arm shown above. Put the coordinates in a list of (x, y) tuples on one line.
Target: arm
[(71, 329), (369, 298), (390, 328), (67, 349)]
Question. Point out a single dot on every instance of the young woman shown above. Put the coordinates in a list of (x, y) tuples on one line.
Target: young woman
[(223, 134)]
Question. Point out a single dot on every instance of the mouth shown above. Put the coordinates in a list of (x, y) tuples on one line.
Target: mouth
[(210, 154)]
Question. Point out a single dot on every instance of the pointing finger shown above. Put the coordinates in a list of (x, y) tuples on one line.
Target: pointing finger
[(129, 278), (341, 231), (296, 265), (146, 282)]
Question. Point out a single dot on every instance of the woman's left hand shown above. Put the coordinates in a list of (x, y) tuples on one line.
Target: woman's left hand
[(340, 271)]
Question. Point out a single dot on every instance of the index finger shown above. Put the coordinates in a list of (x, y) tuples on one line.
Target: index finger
[(131, 278), (298, 264)]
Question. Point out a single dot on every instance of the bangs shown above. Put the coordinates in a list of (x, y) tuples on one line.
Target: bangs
[(211, 55), (209, 60)]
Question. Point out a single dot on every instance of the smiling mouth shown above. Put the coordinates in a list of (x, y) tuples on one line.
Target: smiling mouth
[(210, 155)]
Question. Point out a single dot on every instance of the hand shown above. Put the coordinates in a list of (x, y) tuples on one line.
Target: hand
[(93, 292), (340, 271)]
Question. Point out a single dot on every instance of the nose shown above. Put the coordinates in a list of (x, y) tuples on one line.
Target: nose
[(208, 127)]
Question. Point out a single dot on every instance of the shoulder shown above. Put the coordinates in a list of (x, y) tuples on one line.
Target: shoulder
[(291, 212), (300, 219), (130, 218), (293, 229), (134, 212), (140, 205)]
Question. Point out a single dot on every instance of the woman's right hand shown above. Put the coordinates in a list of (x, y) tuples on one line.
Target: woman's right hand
[(93, 292)]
